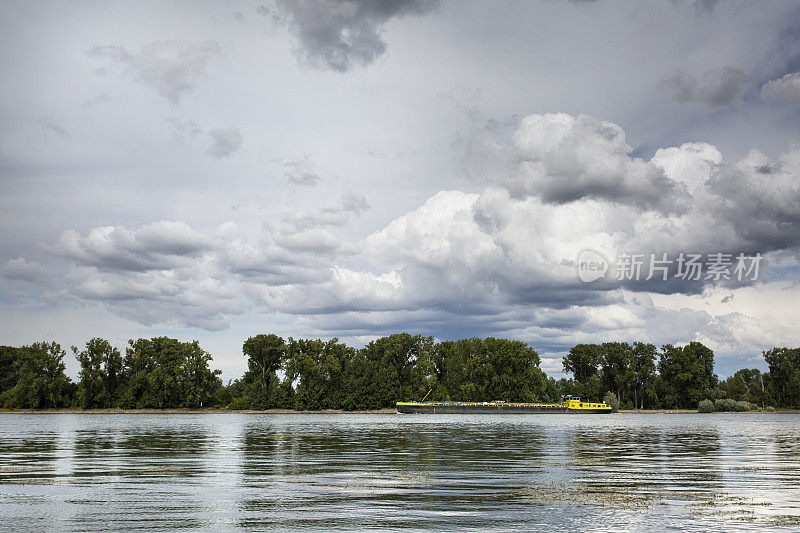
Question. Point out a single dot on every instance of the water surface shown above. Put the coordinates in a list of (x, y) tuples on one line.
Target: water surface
[(621, 472)]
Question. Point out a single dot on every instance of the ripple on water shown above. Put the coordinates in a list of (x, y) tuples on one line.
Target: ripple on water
[(350, 472)]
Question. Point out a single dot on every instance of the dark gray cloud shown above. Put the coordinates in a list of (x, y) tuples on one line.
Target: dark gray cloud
[(562, 158), (301, 172), (303, 177), (329, 216), (49, 125), (184, 130), (705, 7), (719, 88), (493, 248), (96, 101), (179, 297), (469, 254), (267, 265), (340, 34), (224, 142), (157, 246), (760, 200), (21, 270), (354, 203), (170, 68)]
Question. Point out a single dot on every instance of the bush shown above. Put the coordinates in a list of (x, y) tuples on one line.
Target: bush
[(626, 406), (730, 405), (770, 409), (239, 404), (611, 399), (725, 405), (706, 406)]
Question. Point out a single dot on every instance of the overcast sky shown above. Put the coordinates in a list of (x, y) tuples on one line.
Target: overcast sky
[(350, 169)]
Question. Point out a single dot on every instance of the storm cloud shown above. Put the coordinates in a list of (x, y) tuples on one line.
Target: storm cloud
[(224, 142), (21, 270), (719, 88), (353, 168), (341, 34), (458, 254)]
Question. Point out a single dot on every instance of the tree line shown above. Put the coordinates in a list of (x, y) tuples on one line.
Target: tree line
[(314, 374), (641, 376)]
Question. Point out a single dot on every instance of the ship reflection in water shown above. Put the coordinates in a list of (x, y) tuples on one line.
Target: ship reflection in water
[(621, 472)]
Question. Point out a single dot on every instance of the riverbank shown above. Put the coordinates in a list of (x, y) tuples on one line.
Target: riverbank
[(117, 411), (684, 411), (658, 411), (387, 410)]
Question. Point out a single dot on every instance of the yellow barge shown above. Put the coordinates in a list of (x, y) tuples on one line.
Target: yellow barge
[(571, 404)]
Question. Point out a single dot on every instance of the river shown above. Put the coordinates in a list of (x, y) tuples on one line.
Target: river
[(211, 472)]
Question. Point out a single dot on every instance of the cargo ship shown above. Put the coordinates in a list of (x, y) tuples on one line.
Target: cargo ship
[(571, 404)]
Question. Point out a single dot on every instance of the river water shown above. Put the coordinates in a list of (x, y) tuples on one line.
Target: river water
[(212, 472)]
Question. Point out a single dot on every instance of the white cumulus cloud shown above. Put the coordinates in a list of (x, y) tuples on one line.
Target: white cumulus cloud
[(785, 89)]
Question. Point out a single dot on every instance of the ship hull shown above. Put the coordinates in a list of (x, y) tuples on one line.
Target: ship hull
[(493, 408), (457, 409)]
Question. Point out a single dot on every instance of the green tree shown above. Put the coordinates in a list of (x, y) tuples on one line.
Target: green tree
[(400, 367), (100, 374), (8, 370), (317, 367), (583, 360), (643, 368), (514, 373), (41, 382), (783, 381), (265, 356), (367, 384), (745, 385), (163, 373), (611, 399), (488, 369), (615, 361), (687, 374), (151, 369), (200, 382)]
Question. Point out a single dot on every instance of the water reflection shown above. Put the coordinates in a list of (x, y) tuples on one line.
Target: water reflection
[(352, 475), (329, 472), (26, 459)]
